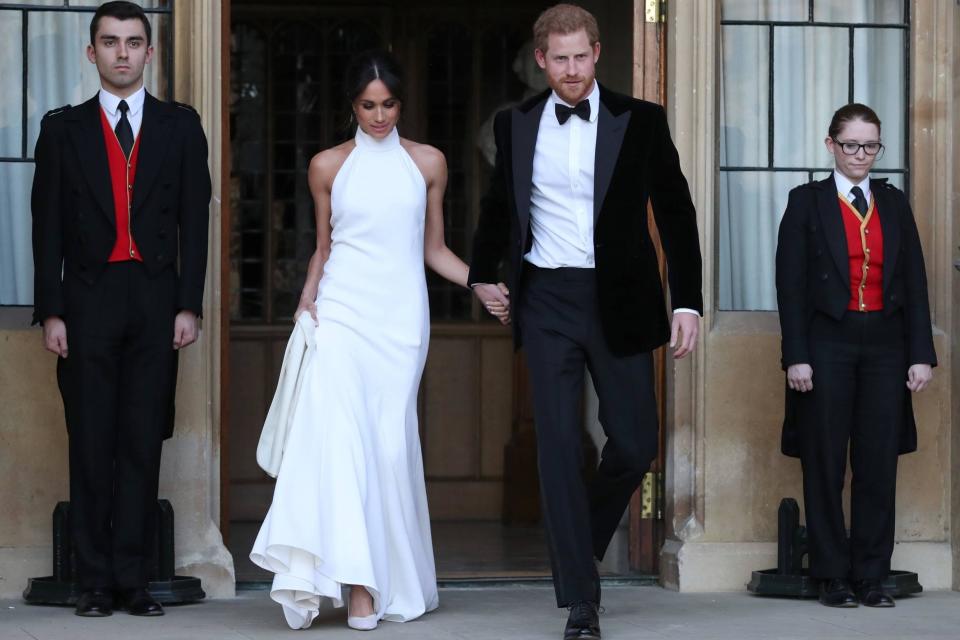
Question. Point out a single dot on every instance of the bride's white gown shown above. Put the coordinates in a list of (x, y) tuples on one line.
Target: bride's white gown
[(350, 506)]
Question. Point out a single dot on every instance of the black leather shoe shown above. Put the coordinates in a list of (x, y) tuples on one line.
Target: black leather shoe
[(836, 592), (583, 622), (139, 602), (95, 603), (872, 594)]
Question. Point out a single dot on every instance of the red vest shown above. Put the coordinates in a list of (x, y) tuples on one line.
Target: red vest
[(122, 174), (865, 248)]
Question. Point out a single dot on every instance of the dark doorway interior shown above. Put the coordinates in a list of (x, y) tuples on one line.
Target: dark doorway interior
[(464, 61)]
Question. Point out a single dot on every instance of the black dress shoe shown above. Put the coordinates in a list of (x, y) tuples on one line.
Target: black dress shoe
[(583, 622), (872, 594), (836, 592), (95, 603), (139, 602)]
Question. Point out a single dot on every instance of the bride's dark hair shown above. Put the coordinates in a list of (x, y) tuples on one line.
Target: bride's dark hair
[(373, 65)]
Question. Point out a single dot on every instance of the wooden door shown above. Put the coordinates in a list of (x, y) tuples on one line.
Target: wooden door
[(646, 507)]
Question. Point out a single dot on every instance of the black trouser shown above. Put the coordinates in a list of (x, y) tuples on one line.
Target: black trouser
[(560, 327), (116, 385), (857, 398)]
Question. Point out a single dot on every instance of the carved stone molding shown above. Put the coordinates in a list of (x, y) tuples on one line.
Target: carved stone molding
[(691, 88)]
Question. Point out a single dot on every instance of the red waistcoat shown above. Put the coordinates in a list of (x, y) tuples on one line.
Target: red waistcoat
[(122, 174), (865, 249)]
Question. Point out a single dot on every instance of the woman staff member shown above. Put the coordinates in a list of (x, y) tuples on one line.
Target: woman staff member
[(855, 321)]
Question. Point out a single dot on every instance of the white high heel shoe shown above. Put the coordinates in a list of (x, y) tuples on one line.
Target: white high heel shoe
[(361, 623)]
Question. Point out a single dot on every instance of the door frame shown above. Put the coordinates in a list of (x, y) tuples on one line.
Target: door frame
[(645, 533)]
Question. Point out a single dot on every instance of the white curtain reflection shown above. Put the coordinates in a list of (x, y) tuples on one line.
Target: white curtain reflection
[(58, 73), (810, 81)]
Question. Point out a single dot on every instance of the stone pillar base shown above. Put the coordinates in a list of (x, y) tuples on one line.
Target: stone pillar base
[(727, 566)]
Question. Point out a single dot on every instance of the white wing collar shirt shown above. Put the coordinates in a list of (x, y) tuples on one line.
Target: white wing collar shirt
[(561, 200), (109, 103)]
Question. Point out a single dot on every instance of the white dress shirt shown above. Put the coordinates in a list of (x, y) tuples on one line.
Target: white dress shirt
[(109, 103), (561, 198), (845, 185)]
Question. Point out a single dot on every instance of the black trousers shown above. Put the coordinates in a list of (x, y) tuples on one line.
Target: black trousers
[(116, 385), (857, 400), (560, 327)]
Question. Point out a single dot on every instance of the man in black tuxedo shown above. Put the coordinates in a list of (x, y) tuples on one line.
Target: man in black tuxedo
[(575, 167), (120, 212)]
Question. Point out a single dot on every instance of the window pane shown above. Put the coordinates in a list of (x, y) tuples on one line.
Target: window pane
[(156, 74), (11, 84), (16, 252), (810, 83), (858, 11), (764, 10), (146, 4), (880, 82), (59, 72), (744, 96), (751, 205)]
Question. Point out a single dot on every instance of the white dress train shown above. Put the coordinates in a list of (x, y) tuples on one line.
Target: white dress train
[(350, 505)]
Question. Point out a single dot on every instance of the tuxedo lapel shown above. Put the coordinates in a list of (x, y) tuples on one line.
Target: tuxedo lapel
[(155, 134), (86, 135), (828, 207), (524, 129), (885, 207), (610, 132)]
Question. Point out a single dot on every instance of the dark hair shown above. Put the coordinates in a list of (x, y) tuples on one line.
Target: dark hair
[(120, 10), (373, 65), (849, 112)]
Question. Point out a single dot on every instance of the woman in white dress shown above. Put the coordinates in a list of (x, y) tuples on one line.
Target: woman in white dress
[(349, 510)]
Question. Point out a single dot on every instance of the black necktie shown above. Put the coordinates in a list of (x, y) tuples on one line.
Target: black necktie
[(859, 201), (123, 130), (564, 112)]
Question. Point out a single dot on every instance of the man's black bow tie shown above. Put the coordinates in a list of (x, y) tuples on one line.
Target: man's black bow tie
[(564, 112)]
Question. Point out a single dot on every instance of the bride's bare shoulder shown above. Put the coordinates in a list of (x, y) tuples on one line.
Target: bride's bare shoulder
[(430, 160), (327, 163)]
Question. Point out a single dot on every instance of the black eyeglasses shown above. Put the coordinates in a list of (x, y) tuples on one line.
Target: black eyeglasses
[(853, 148)]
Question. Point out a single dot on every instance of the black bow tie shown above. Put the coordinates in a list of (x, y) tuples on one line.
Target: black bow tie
[(564, 112)]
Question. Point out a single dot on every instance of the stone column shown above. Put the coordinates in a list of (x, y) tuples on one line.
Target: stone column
[(190, 476), (691, 107)]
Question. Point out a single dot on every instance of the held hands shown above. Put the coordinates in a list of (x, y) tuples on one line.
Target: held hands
[(495, 299), (800, 377), (186, 327), (683, 333), (919, 377), (55, 336)]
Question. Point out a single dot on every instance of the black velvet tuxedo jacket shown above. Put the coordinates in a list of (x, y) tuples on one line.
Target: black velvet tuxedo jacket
[(813, 275), (635, 162), (74, 221)]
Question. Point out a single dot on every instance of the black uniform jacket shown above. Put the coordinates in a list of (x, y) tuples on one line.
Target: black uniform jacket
[(74, 221), (813, 275), (635, 162)]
